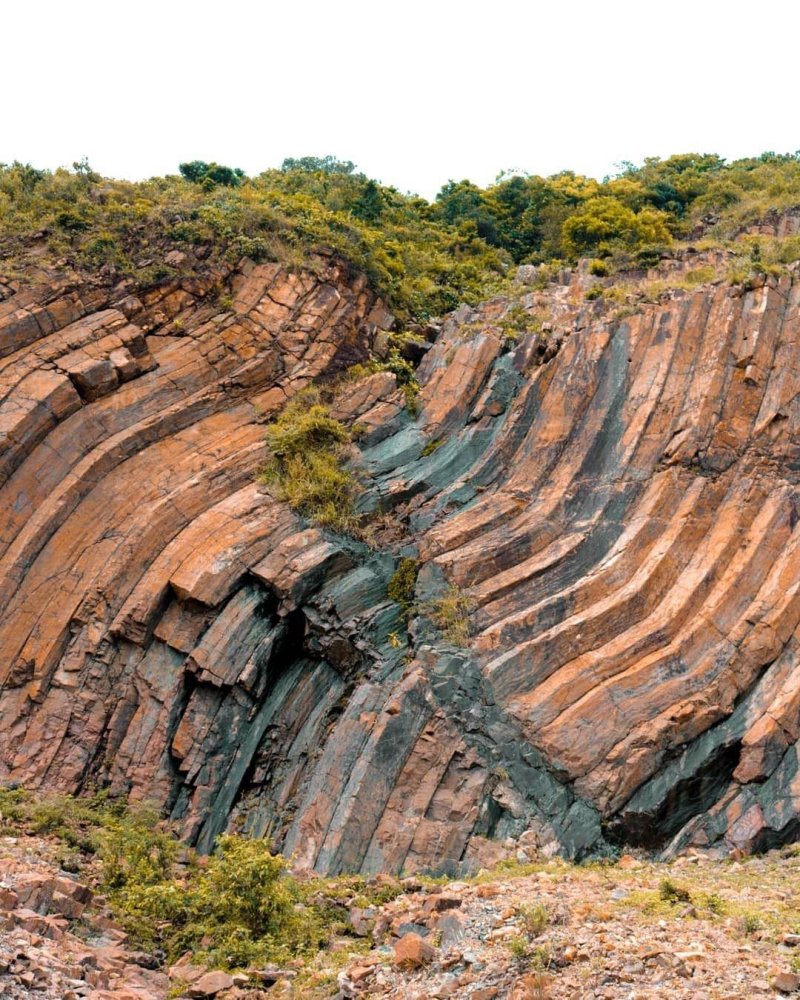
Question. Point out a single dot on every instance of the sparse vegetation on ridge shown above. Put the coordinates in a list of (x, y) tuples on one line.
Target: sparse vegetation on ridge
[(423, 257)]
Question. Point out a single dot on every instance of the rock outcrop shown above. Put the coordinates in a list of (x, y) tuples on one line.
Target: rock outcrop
[(612, 493)]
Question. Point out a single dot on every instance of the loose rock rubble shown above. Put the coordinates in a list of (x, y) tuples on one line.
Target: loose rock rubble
[(608, 935), (544, 930)]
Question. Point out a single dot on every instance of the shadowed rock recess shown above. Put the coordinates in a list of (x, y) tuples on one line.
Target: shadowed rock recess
[(615, 496)]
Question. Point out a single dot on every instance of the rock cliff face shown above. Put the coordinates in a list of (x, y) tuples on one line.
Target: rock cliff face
[(616, 496)]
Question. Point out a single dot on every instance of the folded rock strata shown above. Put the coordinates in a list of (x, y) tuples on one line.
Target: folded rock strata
[(616, 496)]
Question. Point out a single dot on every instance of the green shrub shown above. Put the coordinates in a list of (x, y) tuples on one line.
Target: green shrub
[(518, 947), (599, 268), (403, 584), (699, 276), (134, 851), (450, 614), (751, 922), (534, 918), (307, 469), (239, 908), (670, 892), (433, 445), (603, 223), (211, 174)]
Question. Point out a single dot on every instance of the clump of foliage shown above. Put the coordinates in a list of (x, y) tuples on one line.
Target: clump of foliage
[(211, 174), (75, 822), (518, 321), (307, 467), (533, 918), (403, 584), (450, 614), (433, 445), (751, 922), (756, 258), (237, 908), (518, 947), (671, 892), (402, 369), (126, 838), (604, 224)]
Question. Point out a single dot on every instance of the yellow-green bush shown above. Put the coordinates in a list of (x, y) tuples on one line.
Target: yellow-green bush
[(604, 224), (237, 908), (403, 584), (307, 465), (450, 614)]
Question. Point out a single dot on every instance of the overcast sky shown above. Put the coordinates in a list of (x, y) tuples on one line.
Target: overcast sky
[(413, 92)]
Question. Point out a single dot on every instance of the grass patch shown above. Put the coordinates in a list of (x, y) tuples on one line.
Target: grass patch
[(403, 584), (433, 445), (450, 614), (533, 918), (307, 468), (402, 369), (671, 892)]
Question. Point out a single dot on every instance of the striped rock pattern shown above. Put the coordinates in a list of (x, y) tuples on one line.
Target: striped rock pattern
[(615, 496)]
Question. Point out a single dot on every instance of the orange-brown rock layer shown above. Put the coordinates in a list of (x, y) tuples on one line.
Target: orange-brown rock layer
[(616, 496)]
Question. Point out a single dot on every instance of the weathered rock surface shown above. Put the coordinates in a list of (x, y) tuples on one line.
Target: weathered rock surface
[(617, 496)]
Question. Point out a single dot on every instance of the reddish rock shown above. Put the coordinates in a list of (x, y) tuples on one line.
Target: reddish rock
[(441, 901), (786, 982), (614, 496), (210, 984), (412, 951)]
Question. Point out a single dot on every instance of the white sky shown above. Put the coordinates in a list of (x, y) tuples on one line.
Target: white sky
[(413, 92)]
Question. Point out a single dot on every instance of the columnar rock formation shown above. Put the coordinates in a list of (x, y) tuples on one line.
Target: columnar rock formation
[(614, 494)]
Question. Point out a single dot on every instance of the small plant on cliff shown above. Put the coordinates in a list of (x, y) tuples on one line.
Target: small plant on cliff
[(450, 614), (402, 585), (402, 369), (433, 445), (307, 465)]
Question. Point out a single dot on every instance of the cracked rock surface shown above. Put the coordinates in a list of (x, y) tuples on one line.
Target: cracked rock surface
[(615, 495)]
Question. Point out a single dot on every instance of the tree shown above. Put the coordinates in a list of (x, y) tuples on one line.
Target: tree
[(604, 223), (210, 174), (324, 164)]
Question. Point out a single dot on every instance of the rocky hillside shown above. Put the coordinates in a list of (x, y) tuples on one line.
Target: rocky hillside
[(541, 931), (593, 499)]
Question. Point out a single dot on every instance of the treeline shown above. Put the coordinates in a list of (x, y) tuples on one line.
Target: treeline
[(426, 257)]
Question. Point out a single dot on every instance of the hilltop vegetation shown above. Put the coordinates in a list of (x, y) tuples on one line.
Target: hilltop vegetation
[(424, 257)]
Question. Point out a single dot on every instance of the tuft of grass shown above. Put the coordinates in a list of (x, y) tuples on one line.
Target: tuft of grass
[(450, 614), (671, 892), (307, 469), (518, 947), (534, 919), (751, 922), (716, 904), (403, 584), (433, 445)]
